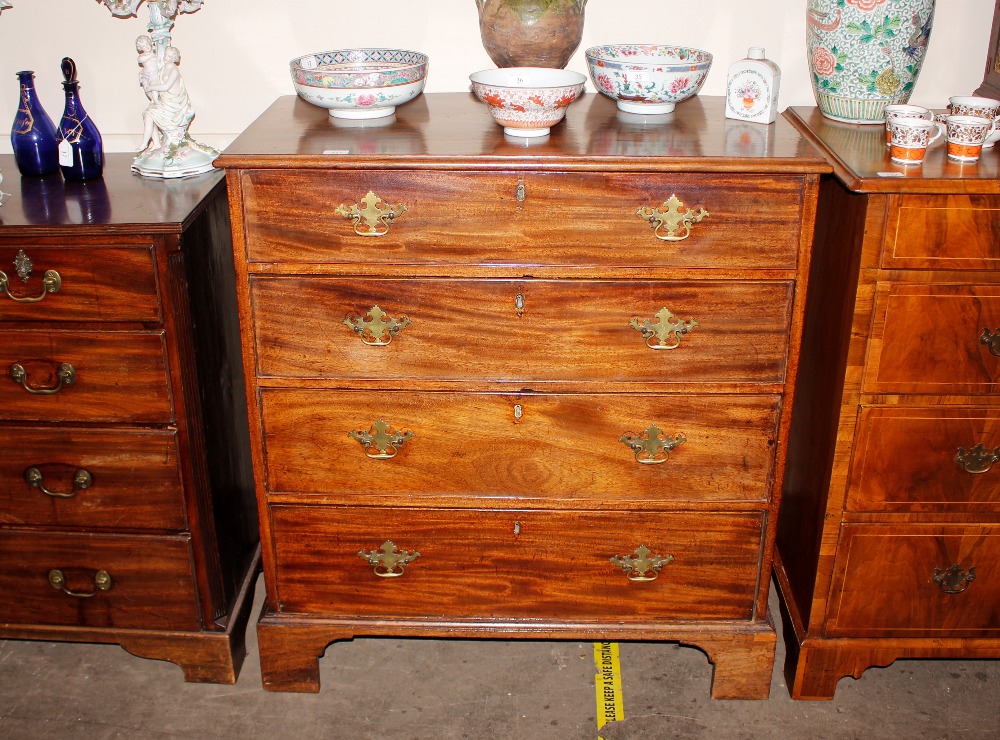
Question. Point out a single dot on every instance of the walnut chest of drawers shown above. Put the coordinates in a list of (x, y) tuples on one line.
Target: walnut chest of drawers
[(889, 535), (126, 492), (512, 389)]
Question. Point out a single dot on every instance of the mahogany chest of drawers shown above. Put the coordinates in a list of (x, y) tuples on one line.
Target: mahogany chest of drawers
[(889, 535), (501, 388), (126, 492)]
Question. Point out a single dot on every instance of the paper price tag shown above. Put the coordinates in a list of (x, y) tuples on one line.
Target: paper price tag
[(65, 154)]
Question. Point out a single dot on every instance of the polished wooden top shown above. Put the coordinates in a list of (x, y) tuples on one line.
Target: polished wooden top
[(455, 130), (120, 200), (858, 154)]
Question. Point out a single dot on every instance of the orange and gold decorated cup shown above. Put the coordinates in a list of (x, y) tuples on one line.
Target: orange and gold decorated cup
[(905, 111), (966, 135), (909, 138)]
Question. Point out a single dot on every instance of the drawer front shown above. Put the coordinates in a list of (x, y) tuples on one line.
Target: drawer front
[(944, 232), (930, 339), (115, 376), (538, 565), (150, 578), (477, 218), (527, 330), (94, 284), (543, 446), (926, 460), (885, 581), (90, 478)]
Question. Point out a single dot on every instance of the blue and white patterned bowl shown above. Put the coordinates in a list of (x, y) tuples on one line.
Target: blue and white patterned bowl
[(648, 78), (359, 83)]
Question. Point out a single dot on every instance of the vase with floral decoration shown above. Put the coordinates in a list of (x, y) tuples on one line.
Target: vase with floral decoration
[(865, 54), (531, 33)]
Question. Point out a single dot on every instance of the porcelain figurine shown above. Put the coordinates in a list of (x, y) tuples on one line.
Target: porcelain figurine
[(167, 149)]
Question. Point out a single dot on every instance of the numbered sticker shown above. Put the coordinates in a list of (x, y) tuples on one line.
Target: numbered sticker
[(65, 154), (308, 63)]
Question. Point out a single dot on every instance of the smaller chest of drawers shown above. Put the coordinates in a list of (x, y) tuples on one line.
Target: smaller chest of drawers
[(888, 535), (126, 494), (492, 396)]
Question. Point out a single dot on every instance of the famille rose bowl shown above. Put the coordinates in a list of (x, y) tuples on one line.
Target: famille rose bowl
[(527, 101), (648, 78), (359, 83)]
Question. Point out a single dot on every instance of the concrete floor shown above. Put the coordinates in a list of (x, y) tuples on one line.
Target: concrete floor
[(445, 690)]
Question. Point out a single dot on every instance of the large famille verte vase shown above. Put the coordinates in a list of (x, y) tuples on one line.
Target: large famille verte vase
[(531, 33), (865, 54)]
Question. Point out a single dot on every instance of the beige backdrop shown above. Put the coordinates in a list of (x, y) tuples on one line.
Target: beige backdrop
[(235, 52)]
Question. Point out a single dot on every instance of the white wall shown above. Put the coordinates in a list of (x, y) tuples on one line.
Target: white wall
[(235, 52)]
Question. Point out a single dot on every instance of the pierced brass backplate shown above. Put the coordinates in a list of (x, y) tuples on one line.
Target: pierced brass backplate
[(652, 446), (978, 460), (381, 442), (387, 561), (954, 580), (665, 332), (372, 217), (641, 565), (672, 221), (991, 340), (376, 328)]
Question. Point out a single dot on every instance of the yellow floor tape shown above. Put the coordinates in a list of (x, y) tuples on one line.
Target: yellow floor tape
[(608, 684)]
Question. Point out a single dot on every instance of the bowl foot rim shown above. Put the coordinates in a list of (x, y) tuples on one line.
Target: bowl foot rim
[(355, 114), (646, 108)]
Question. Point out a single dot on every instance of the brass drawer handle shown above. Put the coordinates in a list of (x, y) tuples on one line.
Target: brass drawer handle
[(652, 446), (102, 582), (82, 480), (376, 215), (381, 442), (64, 372), (954, 580), (51, 282), (387, 561), (672, 221), (376, 328), (978, 460), (641, 565), (991, 340), (665, 332)]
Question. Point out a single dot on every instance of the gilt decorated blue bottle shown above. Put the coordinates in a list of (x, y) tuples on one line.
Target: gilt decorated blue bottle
[(33, 136), (81, 149)]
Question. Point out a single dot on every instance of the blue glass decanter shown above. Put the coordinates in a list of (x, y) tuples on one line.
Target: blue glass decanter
[(33, 135), (81, 149)]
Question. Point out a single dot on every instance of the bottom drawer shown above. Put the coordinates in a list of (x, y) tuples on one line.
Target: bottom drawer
[(916, 579), (515, 564), (149, 581)]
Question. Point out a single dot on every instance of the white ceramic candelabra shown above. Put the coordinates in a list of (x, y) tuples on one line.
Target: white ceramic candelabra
[(167, 149)]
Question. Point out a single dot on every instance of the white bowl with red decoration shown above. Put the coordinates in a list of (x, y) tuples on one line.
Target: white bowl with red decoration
[(527, 101), (648, 78), (359, 83)]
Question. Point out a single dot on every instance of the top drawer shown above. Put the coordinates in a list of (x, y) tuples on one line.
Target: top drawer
[(474, 218), (943, 232), (91, 283)]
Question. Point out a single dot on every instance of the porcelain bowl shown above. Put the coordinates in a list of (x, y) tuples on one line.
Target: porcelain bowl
[(527, 101), (359, 83), (648, 78)]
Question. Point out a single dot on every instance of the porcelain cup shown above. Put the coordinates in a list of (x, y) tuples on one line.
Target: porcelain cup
[(970, 105), (905, 111), (966, 135), (910, 137)]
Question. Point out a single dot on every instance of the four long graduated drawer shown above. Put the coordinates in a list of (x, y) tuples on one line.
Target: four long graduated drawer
[(523, 393), (126, 501)]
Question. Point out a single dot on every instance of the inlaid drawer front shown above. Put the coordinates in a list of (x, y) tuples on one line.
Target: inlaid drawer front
[(94, 478), (521, 330), (944, 232), (935, 339), (917, 579), (86, 376), (543, 447), (570, 565), (927, 459), (398, 217), (92, 580), (42, 283)]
